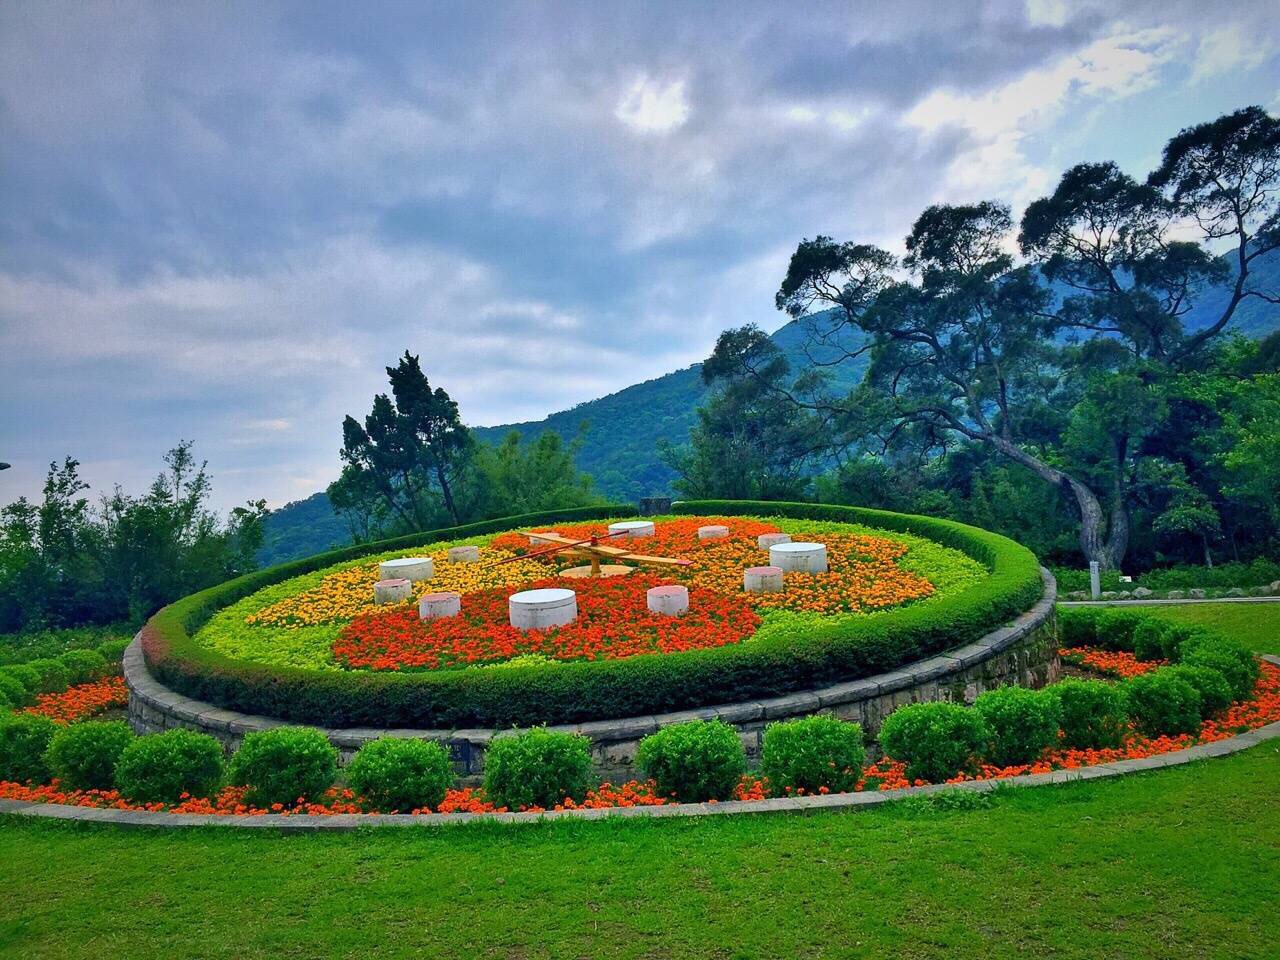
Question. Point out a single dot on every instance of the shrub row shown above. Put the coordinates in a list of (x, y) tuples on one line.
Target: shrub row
[(571, 692), (1011, 726), (1256, 573), (21, 683)]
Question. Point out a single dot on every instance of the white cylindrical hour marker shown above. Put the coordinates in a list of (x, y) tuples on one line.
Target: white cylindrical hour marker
[(671, 600), (542, 609), (395, 590), (412, 569), (713, 532), (631, 528), (767, 540), (434, 606), (799, 557), (464, 554), (762, 579)]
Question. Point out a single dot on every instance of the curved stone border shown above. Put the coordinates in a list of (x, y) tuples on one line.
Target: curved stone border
[(848, 802), (1023, 652)]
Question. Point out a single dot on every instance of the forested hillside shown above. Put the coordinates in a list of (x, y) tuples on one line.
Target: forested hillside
[(619, 448), (620, 442)]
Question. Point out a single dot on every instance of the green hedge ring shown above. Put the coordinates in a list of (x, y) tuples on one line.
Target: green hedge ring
[(569, 692)]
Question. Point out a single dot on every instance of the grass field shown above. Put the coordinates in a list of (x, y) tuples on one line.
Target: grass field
[(1176, 863), (1257, 624)]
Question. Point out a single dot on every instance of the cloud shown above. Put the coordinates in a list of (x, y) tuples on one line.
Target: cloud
[(1230, 49), (1000, 121), (223, 221), (650, 106)]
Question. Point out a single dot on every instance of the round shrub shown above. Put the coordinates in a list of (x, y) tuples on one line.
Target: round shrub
[(1214, 690), (1150, 638), (113, 650), (935, 740), (694, 762), (284, 765), (810, 753), (6, 705), (1021, 723), (537, 768), (1161, 702), (24, 737), (83, 756), (13, 691), (54, 677), (1094, 714), (1233, 660), (1116, 628), (398, 774), (85, 666), (161, 767), (30, 679)]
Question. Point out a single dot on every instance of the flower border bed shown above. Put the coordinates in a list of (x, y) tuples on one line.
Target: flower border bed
[(799, 660), (849, 802)]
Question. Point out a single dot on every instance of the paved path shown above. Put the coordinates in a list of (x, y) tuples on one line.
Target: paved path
[(1161, 603)]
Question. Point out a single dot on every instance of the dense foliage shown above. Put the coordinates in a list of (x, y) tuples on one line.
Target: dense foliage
[(395, 774), (284, 765), (812, 755), (1063, 396), (1093, 714), (935, 740), (694, 762), (1020, 722), (83, 756), (24, 738), (537, 768), (65, 562), (164, 767)]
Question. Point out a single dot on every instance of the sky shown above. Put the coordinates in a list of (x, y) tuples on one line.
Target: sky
[(221, 222)]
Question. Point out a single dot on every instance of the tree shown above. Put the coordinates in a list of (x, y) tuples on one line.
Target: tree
[(520, 478), (412, 451), (1065, 380), (64, 562), (750, 442)]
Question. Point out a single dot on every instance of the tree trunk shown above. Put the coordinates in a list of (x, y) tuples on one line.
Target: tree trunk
[(447, 493), (1208, 558), (1104, 542)]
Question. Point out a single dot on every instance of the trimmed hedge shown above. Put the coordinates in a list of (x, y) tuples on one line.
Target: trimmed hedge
[(161, 767), (83, 756), (694, 762), (394, 774), (936, 740), (812, 753), (24, 738), (1022, 723), (537, 768), (285, 765), (571, 692)]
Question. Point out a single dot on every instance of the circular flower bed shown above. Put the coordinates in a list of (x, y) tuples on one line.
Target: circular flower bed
[(613, 622), (308, 643)]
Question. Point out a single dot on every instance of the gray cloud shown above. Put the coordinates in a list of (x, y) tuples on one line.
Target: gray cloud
[(220, 221)]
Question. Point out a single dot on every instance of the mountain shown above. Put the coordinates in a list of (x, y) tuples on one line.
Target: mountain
[(1253, 317), (620, 444), (619, 448), (623, 430)]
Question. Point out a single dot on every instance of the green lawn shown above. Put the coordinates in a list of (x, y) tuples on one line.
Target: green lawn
[(1176, 863), (1257, 624)]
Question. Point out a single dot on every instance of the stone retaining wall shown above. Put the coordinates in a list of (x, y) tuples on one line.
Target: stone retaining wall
[(1023, 652)]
